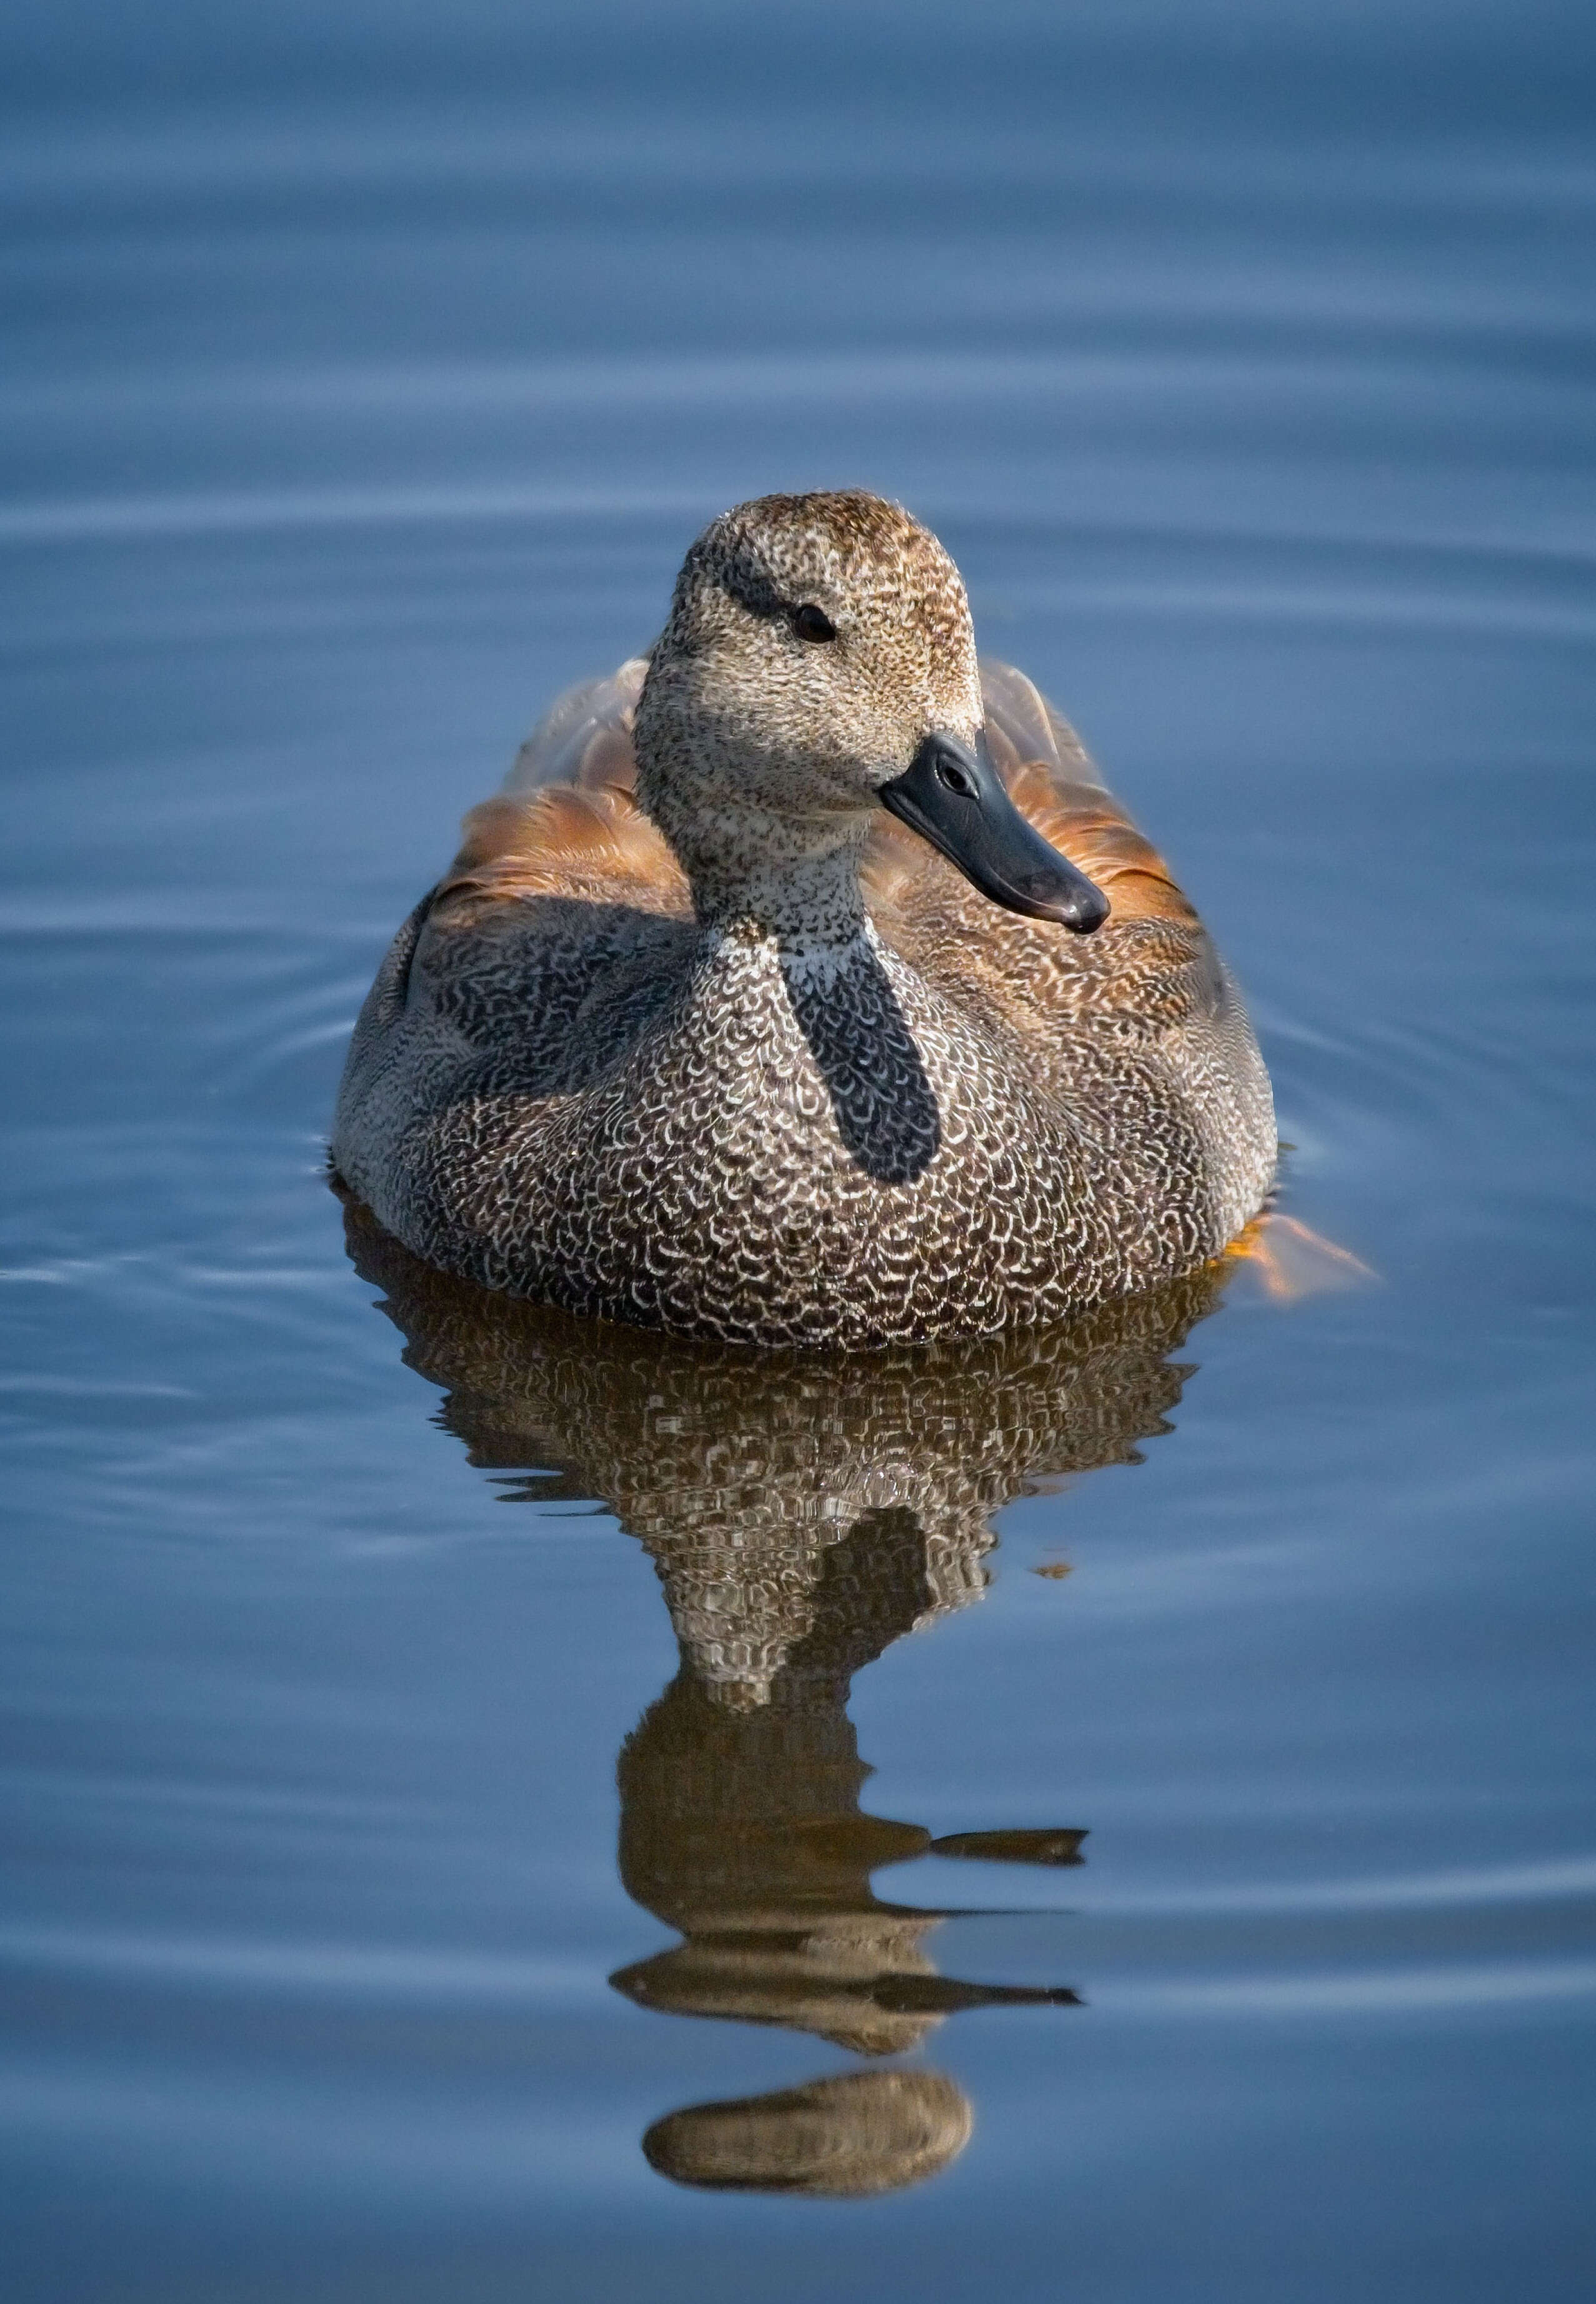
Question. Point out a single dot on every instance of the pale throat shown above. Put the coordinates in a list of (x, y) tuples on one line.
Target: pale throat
[(808, 903)]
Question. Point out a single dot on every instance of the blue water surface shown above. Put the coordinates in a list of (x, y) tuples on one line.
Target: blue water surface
[(369, 371)]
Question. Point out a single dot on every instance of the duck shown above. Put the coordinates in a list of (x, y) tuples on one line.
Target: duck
[(805, 986)]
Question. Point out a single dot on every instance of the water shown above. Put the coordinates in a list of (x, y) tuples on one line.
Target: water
[(367, 372)]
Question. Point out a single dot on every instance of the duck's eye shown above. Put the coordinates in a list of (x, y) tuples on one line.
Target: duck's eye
[(957, 779), (813, 624)]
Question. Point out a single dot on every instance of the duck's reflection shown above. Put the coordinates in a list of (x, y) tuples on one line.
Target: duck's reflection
[(801, 1516)]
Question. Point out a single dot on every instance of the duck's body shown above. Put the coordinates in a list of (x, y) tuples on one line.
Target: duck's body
[(828, 1096)]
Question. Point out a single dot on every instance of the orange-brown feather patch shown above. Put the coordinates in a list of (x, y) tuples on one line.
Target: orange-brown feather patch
[(1091, 829), (594, 844)]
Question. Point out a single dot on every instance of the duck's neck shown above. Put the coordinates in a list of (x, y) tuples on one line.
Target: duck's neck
[(809, 905)]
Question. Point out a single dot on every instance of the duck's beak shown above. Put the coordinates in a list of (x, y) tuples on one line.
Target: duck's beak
[(954, 797)]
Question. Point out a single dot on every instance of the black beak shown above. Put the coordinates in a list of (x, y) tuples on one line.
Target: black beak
[(955, 799)]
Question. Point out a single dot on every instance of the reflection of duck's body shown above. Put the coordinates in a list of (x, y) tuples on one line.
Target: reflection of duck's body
[(654, 1049), (801, 1516), (738, 1472)]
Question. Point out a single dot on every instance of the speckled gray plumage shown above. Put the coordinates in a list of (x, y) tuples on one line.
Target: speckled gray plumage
[(722, 1087)]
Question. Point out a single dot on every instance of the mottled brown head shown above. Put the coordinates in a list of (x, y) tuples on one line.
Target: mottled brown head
[(755, 726), (819, 662)]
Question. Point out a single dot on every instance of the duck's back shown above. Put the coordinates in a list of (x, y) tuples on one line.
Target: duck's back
[(562, 1087)]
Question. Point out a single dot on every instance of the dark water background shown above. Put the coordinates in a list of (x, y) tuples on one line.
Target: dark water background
[(368, 369)]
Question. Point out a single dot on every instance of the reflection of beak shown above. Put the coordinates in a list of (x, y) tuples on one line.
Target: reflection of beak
[(955, 797)]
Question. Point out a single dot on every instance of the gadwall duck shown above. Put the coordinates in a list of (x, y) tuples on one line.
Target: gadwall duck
[(805, 986)]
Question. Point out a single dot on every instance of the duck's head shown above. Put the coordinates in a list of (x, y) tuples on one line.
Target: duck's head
[(819, 664)]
